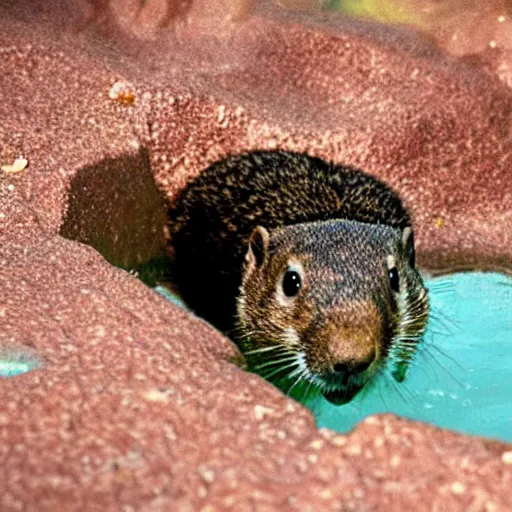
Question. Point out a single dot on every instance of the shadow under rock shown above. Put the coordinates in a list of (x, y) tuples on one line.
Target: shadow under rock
[(115, 206)]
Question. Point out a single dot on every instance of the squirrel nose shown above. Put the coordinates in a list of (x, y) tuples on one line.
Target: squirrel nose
[(353, 367)]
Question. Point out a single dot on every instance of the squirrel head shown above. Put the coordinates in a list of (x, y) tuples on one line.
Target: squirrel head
[(330, 303)]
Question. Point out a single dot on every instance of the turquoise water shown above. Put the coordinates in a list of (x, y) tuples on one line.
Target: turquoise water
[(15, 361), (461, 376)]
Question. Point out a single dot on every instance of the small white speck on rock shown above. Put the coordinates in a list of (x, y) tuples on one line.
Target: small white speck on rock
[(313, 458), (371, 420), (339, 441), (155, 395), (317, 444), (290, 407), (207, 474), (458, 488), (506, 457), (353, 449), (261, 411), (378, 442), (326, 494)]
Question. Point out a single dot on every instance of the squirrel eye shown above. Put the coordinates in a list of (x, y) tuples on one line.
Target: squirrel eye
[(291, 283), (394, 279)]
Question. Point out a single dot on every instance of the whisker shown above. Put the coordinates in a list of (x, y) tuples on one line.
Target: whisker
[(402, 391), (275, 348), (439, 286), (311, 387), (443, 319), (433, 358), (277, 371), (298, 380), (274, 362), (430, 346), (297, 372), (383, 399)]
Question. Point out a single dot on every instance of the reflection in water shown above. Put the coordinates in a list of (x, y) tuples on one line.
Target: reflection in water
[(461, 376)]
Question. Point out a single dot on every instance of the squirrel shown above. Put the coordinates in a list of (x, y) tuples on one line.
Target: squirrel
[(307, 265)]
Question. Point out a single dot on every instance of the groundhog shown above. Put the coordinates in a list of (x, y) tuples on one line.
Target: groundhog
[(307, 265)]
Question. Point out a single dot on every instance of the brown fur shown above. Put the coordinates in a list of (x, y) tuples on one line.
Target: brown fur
[(236, 230)]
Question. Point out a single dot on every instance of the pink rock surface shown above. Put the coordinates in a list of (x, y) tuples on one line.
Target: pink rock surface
[(137, 404)]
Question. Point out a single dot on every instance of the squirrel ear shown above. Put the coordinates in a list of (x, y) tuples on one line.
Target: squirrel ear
[(258, 245), (408, 245)]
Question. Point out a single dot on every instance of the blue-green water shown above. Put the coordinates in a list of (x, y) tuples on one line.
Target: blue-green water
[(15, 361)]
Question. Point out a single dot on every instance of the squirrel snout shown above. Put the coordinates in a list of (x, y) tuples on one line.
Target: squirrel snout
[(348, 357), (353, 367), (354, 343)]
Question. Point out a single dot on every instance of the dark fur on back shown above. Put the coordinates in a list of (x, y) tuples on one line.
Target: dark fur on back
[(211, 220)]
